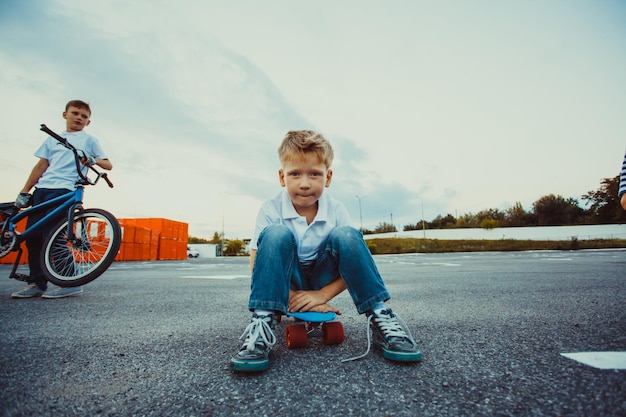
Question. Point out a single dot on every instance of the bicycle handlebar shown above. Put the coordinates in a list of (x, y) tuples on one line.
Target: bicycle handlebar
[(77, 158)]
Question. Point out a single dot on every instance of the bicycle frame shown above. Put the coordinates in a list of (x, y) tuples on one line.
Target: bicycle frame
[(69, 201)]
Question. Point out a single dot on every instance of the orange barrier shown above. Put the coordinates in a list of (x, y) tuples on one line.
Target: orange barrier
[(151, 239), (148, 239), (10, 258)]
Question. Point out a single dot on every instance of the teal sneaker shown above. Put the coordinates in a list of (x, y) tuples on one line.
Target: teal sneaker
[(393, 336), (30, 291), (254, 355), (62, 292)]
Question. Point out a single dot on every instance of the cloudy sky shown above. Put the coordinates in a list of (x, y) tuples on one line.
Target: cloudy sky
[(459, 106)]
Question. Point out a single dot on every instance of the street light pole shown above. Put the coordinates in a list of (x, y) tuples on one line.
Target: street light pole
[(223, 216), (360, 212), (423, 222)]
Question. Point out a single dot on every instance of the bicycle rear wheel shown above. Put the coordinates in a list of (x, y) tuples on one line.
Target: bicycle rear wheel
[(70, 263)]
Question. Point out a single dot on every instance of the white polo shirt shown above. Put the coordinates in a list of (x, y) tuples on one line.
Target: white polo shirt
[(279, 210), (62, 170)]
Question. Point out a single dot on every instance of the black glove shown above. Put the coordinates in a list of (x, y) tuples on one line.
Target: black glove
[(23, 200)]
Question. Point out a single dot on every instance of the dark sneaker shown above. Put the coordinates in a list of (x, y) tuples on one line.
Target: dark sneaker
[(62, 292), (393, 336), (30, 291), (254, 355)]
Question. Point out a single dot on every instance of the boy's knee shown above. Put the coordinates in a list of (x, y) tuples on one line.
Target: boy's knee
[(276, 233), (345, 234)]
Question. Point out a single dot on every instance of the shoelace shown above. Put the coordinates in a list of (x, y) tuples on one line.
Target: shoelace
[(258, 328), (390, 327)]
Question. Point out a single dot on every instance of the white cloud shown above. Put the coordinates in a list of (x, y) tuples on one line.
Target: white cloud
[(465, 106)]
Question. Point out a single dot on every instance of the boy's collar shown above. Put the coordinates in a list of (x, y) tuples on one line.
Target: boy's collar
[(289, 211)]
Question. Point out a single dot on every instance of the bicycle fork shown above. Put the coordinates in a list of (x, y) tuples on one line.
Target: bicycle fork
[(70, 220)]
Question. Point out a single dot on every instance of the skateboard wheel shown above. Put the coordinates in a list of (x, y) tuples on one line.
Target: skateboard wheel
[(296, 336), (333, 333)]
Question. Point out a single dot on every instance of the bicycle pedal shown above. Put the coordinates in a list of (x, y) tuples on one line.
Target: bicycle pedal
[(20, 277)]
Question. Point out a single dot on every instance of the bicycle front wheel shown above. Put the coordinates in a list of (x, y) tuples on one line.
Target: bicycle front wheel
[(70, 261)]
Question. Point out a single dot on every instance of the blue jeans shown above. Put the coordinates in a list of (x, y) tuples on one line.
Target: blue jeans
[(344, 254)]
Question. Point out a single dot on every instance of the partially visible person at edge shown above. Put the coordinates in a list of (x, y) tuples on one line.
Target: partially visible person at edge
[(622, 184), (55, 174), (304, 252)]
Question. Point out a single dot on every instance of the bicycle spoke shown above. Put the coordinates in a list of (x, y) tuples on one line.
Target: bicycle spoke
[(94, 243)]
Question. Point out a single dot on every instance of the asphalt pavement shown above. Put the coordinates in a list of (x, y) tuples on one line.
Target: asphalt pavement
[(154, 339)]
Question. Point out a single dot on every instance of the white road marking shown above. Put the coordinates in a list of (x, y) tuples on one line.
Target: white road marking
[(215, 276), (600, 360), (426, 263)]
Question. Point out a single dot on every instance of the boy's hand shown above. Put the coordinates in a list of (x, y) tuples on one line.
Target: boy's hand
[(23, 200), (87, 159), (310, 301), (325, 308)]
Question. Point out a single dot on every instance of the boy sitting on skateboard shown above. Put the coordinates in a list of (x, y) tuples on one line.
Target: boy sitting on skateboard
[(304, 253)]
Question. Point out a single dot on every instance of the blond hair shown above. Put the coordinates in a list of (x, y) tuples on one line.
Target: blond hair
[(79, 104), (301, 143)]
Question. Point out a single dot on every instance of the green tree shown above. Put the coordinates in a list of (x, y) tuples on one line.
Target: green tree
[(193, 239), (516, 216), (385, 228), (489, 223), (408, 227), (605, 206), (217, 238), (447, 222), (463, 222), (234, 247), (417, 226), (489, 219), (554, 210)]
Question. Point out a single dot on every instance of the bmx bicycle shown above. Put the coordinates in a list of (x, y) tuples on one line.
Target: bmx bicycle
[(80, 246)]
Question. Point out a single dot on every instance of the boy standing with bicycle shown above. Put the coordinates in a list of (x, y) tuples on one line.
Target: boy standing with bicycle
[(304, 253), (52, 176)]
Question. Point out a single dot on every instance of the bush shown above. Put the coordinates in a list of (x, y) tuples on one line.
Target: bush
[(411, 245), (489, 224), (234, 248), (373, 248)]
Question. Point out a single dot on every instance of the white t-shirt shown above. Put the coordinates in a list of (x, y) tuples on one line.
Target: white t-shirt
[(62, 170), (279, 210)]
